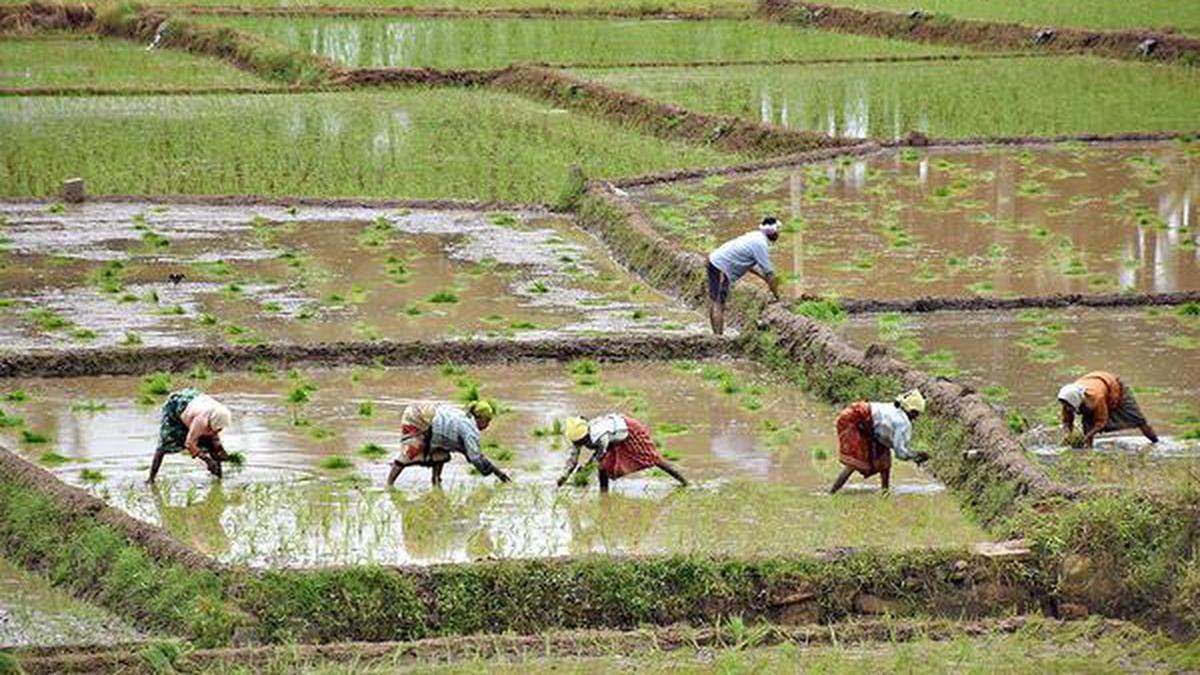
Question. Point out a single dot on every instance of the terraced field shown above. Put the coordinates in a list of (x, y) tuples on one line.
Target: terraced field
[(321, 215)]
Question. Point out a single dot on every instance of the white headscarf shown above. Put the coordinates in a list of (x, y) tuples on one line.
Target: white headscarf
[(1072, 395), (219, 418)]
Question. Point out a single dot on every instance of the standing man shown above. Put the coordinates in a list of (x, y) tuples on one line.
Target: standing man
[(868, 434), (451, 429), (736, 257), (620, 446), (192, 421), (1105, 403)]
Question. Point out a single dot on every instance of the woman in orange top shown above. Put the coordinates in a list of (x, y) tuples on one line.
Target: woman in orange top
[(1105, 403)]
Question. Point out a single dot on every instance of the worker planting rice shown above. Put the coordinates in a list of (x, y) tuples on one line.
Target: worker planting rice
[(1105, 404), (192, 421), (432, 432), (620, 446), (869, 433)]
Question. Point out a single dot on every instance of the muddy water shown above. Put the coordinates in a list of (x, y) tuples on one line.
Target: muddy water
[(1020, 359), (95, 275), (760, 455), (1018, 221), (34, 613)]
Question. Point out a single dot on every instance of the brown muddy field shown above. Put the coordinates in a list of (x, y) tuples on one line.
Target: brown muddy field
[(759, 454), (985, 221), (162, 275), (33, 613)]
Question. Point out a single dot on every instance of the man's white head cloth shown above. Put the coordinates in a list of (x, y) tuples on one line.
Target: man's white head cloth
[(769, 226), (1072, 395), (219, 418)]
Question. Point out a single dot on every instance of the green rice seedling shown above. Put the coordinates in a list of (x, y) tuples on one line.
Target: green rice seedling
[(132, 339), (91, 476), (89, 406), (8, 421), (372, 451), (443, 297), (199, 373), (236, 459), (995, 393), (335, 463), (752, 403), (671, 428), (820, 454), (48, 320), (825, 310), (367, 331), (366, 409), (539, 287), (155, 386), (51, 458), (16, 396), (503, 219), (320, 433), (153, 240)]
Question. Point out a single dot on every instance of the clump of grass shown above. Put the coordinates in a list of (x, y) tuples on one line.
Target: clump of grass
[(825, 310), (52, 458), (443, 297), (820, 454), (372, 451), (10, 421), (132, 339), (16, 396), (336, 463), (91, 476), (539, 287), (237, 459), (33, 437), (366, 409)]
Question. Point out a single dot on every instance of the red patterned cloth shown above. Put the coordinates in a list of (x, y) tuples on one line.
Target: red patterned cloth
[(857, 447), (633, 454)]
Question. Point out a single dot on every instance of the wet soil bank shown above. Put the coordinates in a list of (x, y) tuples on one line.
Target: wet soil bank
[(980, 303), (149, 91), (77, 504), (924, 27), (285, 202), (557, 644), (407, 77), (660, 119), (990, 482), (244, 50), (126, 361)]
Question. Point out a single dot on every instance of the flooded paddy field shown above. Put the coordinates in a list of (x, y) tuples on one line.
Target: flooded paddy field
[(1019, 360), (964, 99), (140, 274), (34, 613), (76, 62), (1004, 221), (760, 456), (417, 143), (496, 43)]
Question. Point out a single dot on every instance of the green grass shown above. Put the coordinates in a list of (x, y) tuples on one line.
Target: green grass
[(494, 43), (739, 7), (447, 143), (1057, 95), (111, 64), (1183, 16)]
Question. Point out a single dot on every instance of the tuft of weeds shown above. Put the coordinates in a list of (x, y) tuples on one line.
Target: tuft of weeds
[(51, 458), (91, 476), (443, 297), (366, 409), (372, 451), (33, 437), (335, 463)]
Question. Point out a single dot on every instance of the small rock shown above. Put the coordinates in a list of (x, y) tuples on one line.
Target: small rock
[(73, 190)]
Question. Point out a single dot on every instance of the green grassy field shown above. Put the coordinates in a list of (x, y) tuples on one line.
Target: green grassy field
[(1002, 97), (71, 62), (1161, 14), (417, 143), (727, 7), (490, 43)]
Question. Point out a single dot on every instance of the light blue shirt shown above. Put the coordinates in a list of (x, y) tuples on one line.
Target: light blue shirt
[(455, 431), (737, 256), (892, 428)]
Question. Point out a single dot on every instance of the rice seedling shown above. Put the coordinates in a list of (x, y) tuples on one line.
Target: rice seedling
[(89, 406), (488, 145), (366, 409), (443, 297), (372, 451), (336, 463), (91, 476), (8, 421), (52, 459)]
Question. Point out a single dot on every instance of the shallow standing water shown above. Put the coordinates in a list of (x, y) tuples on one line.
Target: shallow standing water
[(34, 613), (1070, 218), (102, 274), (759, 453)]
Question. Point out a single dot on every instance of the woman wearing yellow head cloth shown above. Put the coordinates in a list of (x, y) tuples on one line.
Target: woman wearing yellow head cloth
[(868, 434), (620, 446), (433, 432)]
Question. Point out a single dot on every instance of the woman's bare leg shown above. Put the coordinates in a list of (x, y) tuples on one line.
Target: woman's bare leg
[(436, 476), (1148, 431), (156, 465), (397, 468), (666, 466), (885, 478), (841, 480), (603, 481)]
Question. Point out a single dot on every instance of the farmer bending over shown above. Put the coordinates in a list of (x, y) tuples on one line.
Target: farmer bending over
[(620, 446), (734, 258), (868, 434), (430, 432), (1106, 405), (192, 421)]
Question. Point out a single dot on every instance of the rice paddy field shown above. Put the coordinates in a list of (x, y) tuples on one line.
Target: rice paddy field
[(492, 43), (954, 99), (321, 215), (72, 62)]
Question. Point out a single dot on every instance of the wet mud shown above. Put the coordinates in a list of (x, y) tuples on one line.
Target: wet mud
[(32, 613), (759, 454), (1020, 359), (188, 275), (924, 27), (918, 230)]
